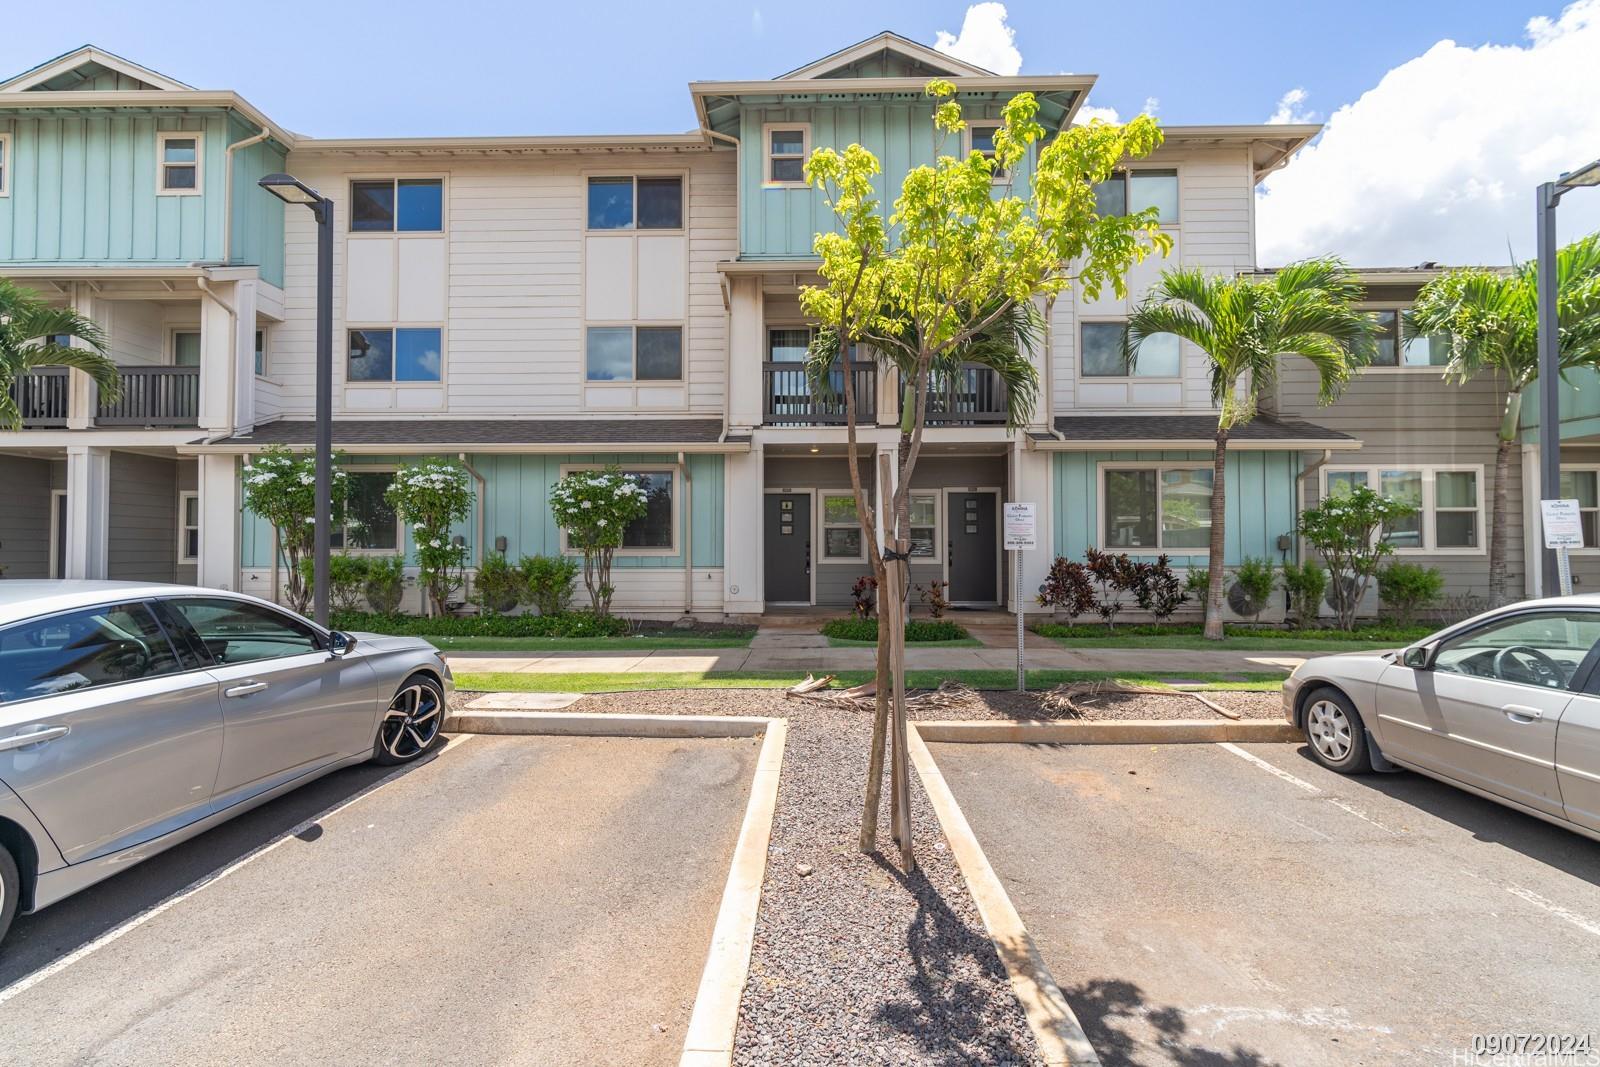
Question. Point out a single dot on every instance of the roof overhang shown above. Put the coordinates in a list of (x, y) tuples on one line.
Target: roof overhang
[(163, 100), (1050, 443), (692, 141), (371, 437), (1100, 433), (89, 54), (892, 42), (1271, 146)]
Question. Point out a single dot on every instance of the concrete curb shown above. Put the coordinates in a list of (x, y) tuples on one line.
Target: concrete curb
[(1110, 732), (1055, 1027), (577, 724)]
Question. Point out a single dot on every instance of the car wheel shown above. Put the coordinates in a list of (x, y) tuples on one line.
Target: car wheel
[(412, 724), (10, 890), (1334, 731)]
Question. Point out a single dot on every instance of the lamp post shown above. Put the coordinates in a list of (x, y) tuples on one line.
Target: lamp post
[(292, 190), (1549, 196)]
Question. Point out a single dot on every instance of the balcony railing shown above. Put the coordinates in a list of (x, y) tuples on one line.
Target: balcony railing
[(791, 400), (41, 395), (971, 396), (154, 396)]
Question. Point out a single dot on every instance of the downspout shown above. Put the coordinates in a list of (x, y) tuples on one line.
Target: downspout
[(1300, 497), (483, 489), (227, 189), (688, 535)]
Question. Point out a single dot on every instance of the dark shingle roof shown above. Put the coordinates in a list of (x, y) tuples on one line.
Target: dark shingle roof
[(414, 430), (1165, 428)]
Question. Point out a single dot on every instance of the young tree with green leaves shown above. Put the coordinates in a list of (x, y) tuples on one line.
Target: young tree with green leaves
[(596, 508), (950, 275), (1490, 322), (281, 487), (431, 497), (29, 327), (1245, 327)]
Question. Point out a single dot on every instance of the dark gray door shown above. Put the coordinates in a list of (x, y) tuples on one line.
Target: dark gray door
[(972, 547), (788, 548)]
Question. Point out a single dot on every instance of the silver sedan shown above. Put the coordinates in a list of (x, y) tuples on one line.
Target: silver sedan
[(135, 716), (1505, 705)]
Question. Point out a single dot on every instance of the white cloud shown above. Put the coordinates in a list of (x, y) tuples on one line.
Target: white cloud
[(1289, 110), (985, 40), (1440, 159), (1088, 112)]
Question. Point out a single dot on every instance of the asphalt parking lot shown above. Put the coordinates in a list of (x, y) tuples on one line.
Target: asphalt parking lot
[(516, 900), (1238, 905)]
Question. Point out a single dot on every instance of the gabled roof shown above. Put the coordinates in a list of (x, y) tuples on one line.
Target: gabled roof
[(860, 59), (85, 68)]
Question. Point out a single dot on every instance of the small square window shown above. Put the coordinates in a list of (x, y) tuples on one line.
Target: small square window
[(186, 348), (660, 203), (610, 203), (371, 356), (610, 354), (419, 205), (786, 155), (981, 136), (371, 207), (417, 355), (660, 353), (1154, 188), (179, 163)]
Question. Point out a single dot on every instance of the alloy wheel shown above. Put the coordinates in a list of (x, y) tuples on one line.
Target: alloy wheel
[(1329, 729), (412, 721)]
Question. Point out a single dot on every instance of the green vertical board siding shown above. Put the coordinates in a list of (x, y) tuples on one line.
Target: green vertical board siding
[(516, 506), (1580, 406), (782, 223), (257, 224), (1260, 494), (83, 191)]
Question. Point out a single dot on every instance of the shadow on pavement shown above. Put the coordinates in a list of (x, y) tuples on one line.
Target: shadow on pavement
[(38, 940), (1127, 1031)]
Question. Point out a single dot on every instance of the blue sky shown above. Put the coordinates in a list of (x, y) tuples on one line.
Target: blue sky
[(373, 69)]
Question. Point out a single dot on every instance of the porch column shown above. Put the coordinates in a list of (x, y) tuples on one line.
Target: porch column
[(1030, 483), (219, 522), (88, 511), (743, 592), (746, 353), (83, 396), (219, 354), (244, 353), (1532, 525)]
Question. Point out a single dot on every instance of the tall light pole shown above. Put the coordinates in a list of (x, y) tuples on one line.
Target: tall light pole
[(1550, 194), (292, 190)]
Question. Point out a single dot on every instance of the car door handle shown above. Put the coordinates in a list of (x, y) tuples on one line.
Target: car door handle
[(245, 689), (33, 737), (1522, 713)]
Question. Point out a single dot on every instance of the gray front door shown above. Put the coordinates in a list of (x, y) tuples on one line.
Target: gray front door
[(972, 546), (788, 548)]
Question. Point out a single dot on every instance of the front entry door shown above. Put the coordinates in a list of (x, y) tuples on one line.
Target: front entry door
[(972, 546), (788, 548)]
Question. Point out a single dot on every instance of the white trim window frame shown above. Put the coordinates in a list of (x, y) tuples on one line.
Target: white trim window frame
[(1429, 511), (1100, 539), (1127, 175), (670, 469), (7, 163), (393, 329), (824, 525), (188, 531), (1400, 366), (197, 164), (394, 182), (1000, 175), (171, 353), (1123, 378), (1589, 513), (769, 158), (262, 356), (940, 505), (633, 329), (634, 178), (343, 533)]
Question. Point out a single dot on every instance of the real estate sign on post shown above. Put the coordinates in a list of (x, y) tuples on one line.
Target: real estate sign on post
[(1563, 530), (1020, 528)]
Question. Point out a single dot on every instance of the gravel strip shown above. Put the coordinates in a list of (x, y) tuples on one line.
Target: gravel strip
[(1251, 705)]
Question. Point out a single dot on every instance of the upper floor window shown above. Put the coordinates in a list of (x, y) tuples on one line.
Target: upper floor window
[(627, 203), (406, 205), (787, 148), (179, 157), (5, 164), (1449, 515), (634, 353), (1103, 355), (1156, 508), (1130, 191), (980, 139), (261, 353), (1394, 351), (404, 354), (186, 348)]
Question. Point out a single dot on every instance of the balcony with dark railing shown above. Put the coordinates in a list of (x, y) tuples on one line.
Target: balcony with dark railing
[(154, 396), (791, 399), (971, 396), (42, 395)]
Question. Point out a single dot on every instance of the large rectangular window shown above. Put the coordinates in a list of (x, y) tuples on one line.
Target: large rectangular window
[(645, 203), (1160, 356), (1129, 192), (1393, 351), (634, 353), (178, 163), (1156, 509), (841, 532), (1583, 485), (401, 354), (1449, 502), (405, 205), (371, 522)]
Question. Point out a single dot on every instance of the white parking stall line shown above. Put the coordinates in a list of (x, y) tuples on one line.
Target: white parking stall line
[(127, 926), (1582, 922), (1269, 768)]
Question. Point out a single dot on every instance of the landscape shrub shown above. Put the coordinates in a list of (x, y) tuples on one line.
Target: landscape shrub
[(1198, 581), (1305, 583), (1067, 588), (1252, 586), (595, 508), (430, 497), (570, 624), (1344, 529), (386, 583), (498, 587), (1388, 632), (347, 579), (865, 594), (932, 595), (280, 486), (1157, 589), (549, 582), (1113, 575), (917, 630), (1408, 588)]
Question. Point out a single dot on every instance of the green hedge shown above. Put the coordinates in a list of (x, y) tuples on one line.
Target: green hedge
[(568, 624), (916, 630), (1366, 634)]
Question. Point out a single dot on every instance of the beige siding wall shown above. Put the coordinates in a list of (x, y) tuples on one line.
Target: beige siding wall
[(513, 278)]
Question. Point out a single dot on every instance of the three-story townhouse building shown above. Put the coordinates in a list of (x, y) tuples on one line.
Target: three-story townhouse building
[(532, 305)]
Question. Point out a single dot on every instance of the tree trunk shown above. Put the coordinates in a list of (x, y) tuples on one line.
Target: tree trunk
[(882, 695), (1219, 537), (1499, 519)]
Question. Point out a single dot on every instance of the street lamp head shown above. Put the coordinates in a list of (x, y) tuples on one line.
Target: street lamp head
[(290, 190), (1583, 176)]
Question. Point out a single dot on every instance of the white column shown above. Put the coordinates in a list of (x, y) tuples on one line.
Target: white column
[(218, 480), (1532, 524), (88, 511), (244, 350), (219, 357), (83, 396), (746, 352), (1030, 483), (743, 522)]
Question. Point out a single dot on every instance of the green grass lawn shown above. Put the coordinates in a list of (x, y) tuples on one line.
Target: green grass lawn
[(622, 645), (1238, 639), (528, 682)]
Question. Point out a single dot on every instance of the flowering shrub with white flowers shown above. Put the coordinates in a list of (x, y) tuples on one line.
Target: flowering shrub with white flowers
[(595, 507), (281, 487), (431, 497), (1346, 530)]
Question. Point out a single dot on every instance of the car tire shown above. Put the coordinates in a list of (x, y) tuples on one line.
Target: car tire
[(1334, 730), (413, 724), (10, 887)]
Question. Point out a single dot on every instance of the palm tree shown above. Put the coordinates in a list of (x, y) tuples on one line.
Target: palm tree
[(1306, 309), (1492, 323), (30, 333)]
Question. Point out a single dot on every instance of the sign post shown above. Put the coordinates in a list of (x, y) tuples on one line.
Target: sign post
[(1021, 527), (1563, 531)]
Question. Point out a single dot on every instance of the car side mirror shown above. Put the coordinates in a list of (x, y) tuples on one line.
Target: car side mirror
[(1418, 657), (340, 643)]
